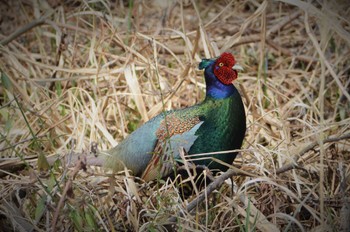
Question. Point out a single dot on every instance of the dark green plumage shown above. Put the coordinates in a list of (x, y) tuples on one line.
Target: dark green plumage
[(217, 124), (223, 129)]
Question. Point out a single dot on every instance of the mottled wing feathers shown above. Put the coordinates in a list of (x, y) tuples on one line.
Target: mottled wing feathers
[(173, 133), (173, 124)]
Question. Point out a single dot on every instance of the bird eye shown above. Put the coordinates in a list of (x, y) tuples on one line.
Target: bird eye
[(221, 64)]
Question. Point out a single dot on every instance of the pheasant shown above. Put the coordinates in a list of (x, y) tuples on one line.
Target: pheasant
[(216, 124)]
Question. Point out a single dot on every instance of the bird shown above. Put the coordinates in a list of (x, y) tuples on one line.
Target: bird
[(217, 124)]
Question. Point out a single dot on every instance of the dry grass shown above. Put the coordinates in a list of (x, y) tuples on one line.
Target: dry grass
[(93, 71)]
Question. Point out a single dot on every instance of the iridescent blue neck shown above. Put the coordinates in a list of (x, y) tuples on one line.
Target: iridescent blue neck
[(215, 88)]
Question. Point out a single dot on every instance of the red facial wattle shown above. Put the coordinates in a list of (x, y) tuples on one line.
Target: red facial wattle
[(223, 68)]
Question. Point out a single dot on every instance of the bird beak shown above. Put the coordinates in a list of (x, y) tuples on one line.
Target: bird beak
[(237, 67)]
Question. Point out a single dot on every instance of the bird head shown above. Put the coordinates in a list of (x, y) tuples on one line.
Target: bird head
[(224, 67)]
